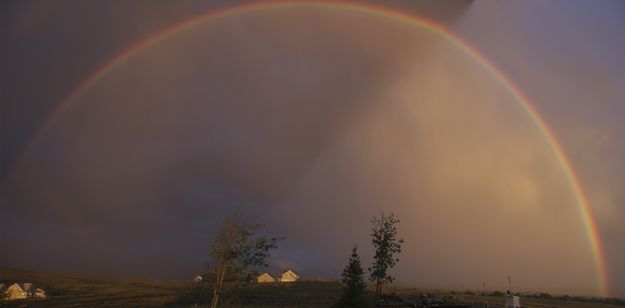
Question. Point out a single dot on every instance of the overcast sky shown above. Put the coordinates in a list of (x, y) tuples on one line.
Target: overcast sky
[(312, 120)]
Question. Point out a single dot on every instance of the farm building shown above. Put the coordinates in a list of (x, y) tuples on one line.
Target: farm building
[(15, 291), (23, 290), (289, 276), (40, 293), (265, 277)]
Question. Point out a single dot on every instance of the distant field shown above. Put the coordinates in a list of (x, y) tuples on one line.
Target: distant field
[(498, 301), (67, 290), (298, 294)]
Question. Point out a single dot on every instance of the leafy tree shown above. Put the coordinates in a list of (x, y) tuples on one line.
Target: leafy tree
[(237, 248), (387, 245), (354, 284)]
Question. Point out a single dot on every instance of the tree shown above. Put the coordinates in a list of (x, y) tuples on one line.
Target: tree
[(353, 283), (387, 245), (236, 248)]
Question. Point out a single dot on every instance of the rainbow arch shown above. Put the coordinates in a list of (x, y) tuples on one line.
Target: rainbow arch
[(590, 226)]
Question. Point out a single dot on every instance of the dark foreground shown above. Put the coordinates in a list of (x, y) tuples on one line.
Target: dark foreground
[(66, 290)]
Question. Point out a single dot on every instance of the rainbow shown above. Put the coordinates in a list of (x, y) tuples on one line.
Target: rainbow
[(396, 15)]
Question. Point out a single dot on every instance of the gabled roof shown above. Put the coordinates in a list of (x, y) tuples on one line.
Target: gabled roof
[(15, 286), (23, 286), (290, 272)]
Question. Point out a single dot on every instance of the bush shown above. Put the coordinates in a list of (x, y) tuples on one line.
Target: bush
[(497, 293)]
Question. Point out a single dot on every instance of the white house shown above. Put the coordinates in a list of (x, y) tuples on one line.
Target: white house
[(265, 277), (289, 276), (15, 291), (23, 290)]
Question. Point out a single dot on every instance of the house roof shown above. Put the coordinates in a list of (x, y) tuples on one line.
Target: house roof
[(15, 286), (23, 286)]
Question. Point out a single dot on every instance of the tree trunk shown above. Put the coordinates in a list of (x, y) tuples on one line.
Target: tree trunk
[(219, 279)]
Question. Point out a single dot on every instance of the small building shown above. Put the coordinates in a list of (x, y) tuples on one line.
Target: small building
[(23, 290), (289, 276), (15, 291), (40, 293), (264, 278), (512, 301)]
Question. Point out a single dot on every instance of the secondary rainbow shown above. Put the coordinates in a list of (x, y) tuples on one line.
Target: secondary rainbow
[(398, 16)]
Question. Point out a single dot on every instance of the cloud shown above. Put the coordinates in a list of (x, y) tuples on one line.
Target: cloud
[(312, 123)]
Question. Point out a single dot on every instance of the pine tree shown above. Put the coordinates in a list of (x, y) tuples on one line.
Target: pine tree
[(353, 283)]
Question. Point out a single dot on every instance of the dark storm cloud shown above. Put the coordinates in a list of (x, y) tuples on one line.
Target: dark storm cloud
[(307, 120), (52, 48), (223, 126)]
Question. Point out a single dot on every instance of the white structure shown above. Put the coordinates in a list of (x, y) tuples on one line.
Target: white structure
[(265, 277), (23, 290), (40, 293), (512, 301), (289, 276), (15, 291)]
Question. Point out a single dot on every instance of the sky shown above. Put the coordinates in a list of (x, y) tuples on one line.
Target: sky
[(311, 120)]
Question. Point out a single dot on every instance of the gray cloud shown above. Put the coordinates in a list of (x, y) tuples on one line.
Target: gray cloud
[(311, 122)]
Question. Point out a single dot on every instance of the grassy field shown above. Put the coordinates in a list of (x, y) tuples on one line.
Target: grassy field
[(478, 300), (298, 294), (67, 290)]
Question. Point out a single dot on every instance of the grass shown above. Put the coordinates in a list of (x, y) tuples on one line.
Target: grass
[(295, 294), (527, 301), (67, 290)]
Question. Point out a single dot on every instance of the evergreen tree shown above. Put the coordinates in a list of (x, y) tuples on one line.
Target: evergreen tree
[(353, 283), (387, 245)]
